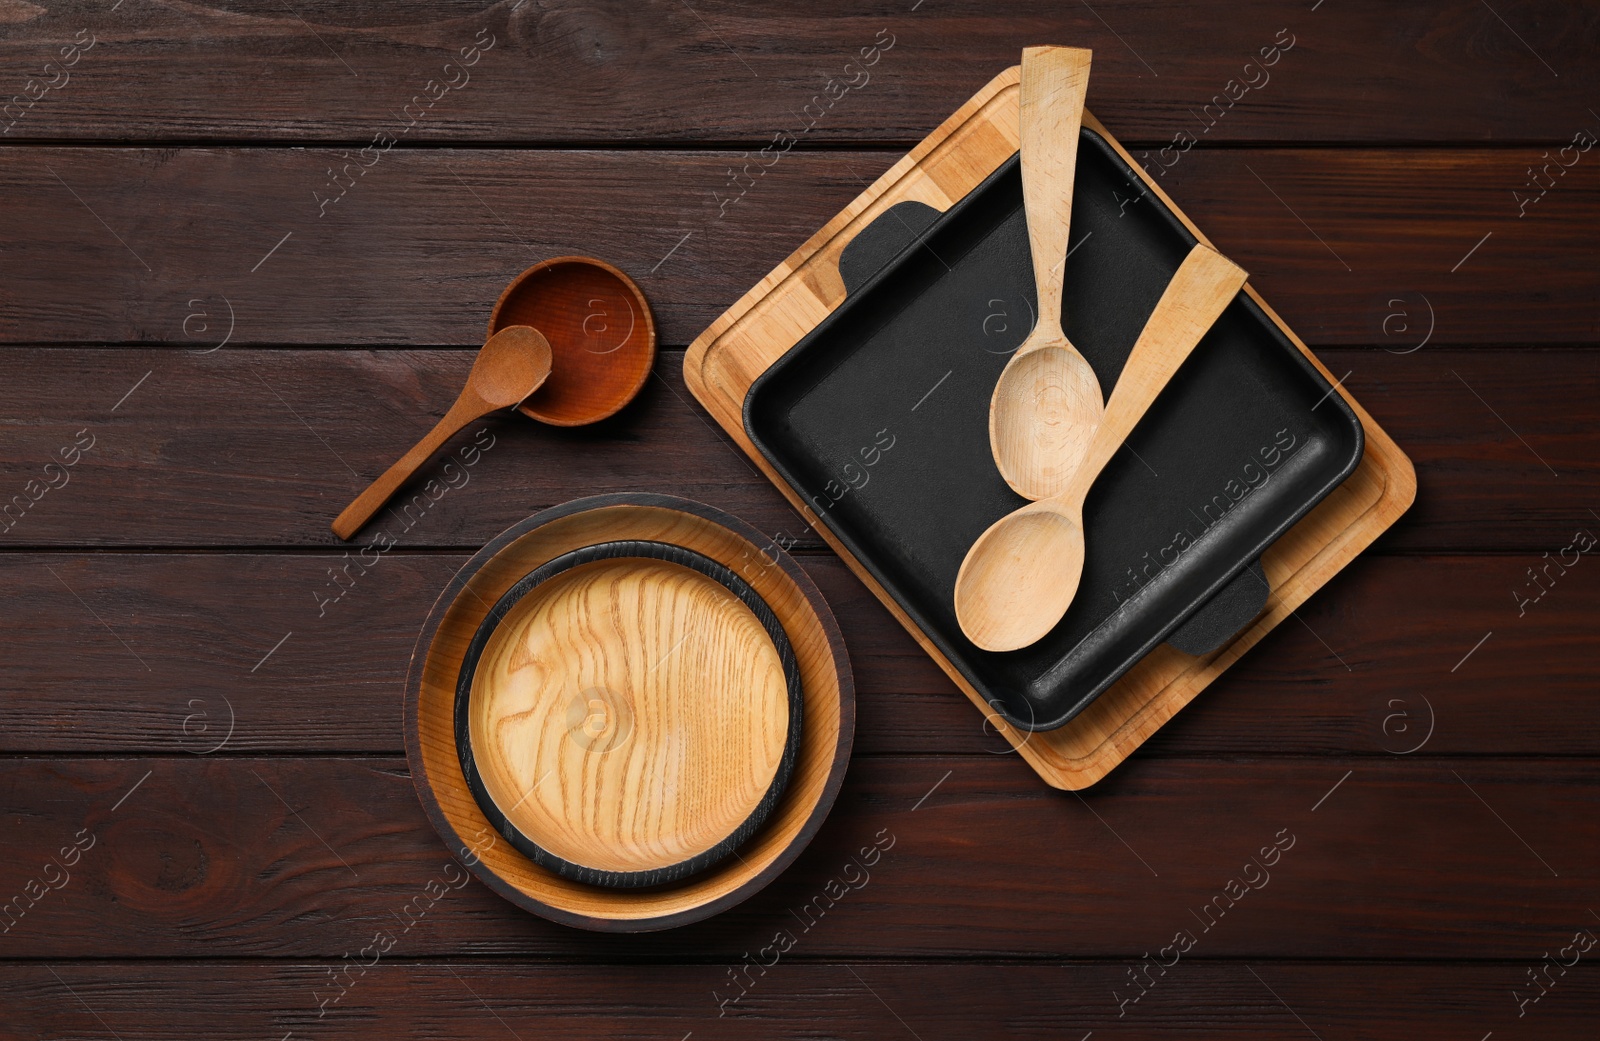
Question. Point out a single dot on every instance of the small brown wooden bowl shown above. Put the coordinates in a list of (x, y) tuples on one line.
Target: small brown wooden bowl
[(820, 761), (628, 714), (601, 332)]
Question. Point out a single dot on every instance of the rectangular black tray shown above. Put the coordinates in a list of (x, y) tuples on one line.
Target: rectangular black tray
[(879, 419)]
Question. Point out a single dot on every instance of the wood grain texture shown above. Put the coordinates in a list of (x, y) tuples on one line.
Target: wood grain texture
[(614, 71), (208, 451), (826, 695), (1365, 675), (1368, 185), (204, 861), (629, 715), (1055, 81), (471, 223), (865, 1001)]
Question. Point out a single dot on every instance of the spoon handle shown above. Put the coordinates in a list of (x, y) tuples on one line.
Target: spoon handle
[(355, 516), (1054, 81), (1206, 282)]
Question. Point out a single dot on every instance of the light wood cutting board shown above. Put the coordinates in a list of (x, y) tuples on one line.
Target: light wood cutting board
[(795, 296)]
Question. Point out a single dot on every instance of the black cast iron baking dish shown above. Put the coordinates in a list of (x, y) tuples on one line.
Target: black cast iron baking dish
[(879, 419)]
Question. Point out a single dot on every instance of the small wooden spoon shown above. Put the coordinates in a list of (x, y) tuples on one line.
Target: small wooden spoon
[(1019, 578), (512, 364), (1047, 402)]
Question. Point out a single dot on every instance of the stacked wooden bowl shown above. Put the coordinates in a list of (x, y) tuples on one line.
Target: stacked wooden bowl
[(628, 712)]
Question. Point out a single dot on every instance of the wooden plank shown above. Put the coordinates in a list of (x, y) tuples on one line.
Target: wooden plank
[(291, 857), (796, 999), (113, 245), (77, 681), (257, 448), (182, 442), (339, 70)]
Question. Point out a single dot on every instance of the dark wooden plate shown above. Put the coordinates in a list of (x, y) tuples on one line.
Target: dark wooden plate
[(820, 759), (628, 714)]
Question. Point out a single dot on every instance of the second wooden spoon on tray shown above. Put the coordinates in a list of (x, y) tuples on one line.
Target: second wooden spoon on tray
[(1019, 578)]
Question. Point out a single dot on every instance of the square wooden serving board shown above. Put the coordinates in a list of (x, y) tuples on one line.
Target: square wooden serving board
[(795, 296)]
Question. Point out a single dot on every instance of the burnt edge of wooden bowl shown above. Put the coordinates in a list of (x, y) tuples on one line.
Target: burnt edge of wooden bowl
[(807, 831), (628, 550)]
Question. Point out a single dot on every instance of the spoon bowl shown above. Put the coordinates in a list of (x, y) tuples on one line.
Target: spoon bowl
[(1044, 412), (1022, 574), (512, 364), (1025, 567)]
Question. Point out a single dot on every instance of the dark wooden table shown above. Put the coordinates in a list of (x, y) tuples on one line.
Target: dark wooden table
[(212, 342)]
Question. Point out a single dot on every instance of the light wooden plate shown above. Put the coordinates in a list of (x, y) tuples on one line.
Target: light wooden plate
[(820, 760), (628, 714)]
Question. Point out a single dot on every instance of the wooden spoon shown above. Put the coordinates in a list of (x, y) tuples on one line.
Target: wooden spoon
[(511, 365), (1047, 402), (1019, 578)]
